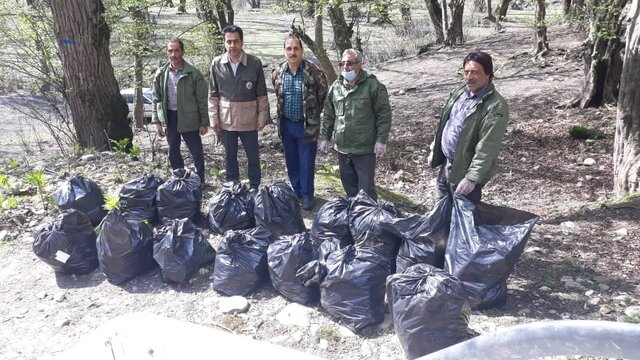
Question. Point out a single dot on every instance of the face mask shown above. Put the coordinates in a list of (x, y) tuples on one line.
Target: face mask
[(349, 75)]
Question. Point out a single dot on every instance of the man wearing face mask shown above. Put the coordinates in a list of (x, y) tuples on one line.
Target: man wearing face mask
[(469, 135), (357, 118)]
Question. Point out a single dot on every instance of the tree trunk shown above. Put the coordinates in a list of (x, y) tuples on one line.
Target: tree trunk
[(214, 28), (317, 46), (226, 15), (405, 13), (182, 6), (626, 152), (342, 32), (254, 4), (542, 45), (98, 110), (139, 17), (492, 18), (435, 14), (566, 8), (603, 64), (454, 34), (502, 9)]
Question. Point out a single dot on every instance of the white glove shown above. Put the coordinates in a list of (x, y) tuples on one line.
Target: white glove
[(379, 149), (430, 160), (325, 146), (465, 186)]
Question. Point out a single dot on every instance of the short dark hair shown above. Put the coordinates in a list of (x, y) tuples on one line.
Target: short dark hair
[(481, 58), (293, 36), (233, 29), (176, 40)]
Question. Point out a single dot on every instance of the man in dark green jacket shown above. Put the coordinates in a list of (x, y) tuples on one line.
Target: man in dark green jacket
[(357, 117), (180, 107), (469, 135)]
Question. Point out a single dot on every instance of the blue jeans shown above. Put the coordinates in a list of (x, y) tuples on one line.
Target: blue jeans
[(250, 143), (299, 156)]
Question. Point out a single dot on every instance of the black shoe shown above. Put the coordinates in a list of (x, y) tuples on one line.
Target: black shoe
[(307, 204)]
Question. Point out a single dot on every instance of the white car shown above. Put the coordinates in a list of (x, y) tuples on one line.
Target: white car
[(147, 97)]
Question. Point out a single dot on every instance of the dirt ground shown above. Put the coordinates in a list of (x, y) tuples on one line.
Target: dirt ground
[(583, 236)]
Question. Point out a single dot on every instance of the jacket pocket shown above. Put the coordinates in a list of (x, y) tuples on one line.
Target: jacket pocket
[(225, 113)]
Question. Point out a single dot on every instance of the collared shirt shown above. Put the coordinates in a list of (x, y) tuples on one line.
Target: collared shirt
[(172, 88), (459, 112), (292, 83)]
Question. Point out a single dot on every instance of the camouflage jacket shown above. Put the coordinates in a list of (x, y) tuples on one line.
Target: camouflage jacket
[(314, 88)]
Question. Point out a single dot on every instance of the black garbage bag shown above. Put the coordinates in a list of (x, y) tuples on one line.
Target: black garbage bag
[(366, 214), (354, 286), (285, 256), (485, 242), (68, 244), (183, 250), (313, 272), (332, 222), (424, 237), (231, 208), (125, 247), (77, 192), (429, 308), (138, 198), (180, 196), (277, 210), (241, 261)]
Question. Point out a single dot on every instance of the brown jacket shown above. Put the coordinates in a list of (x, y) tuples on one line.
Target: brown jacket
[(238, 103)]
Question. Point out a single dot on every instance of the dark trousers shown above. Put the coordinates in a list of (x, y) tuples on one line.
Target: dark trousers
[(191, 138), (250, 143), (299, 156), (357, 172), (445, 188)]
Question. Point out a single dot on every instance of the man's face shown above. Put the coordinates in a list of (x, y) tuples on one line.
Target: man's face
[(475, 76), (349, 62), (233, 44), (293, 51), (174, 53)]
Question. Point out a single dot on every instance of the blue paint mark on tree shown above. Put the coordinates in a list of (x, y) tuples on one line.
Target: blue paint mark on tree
[(67, 42)]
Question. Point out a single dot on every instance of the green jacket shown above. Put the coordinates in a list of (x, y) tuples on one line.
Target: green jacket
[(314, 89), (480, 139), (356, 118), (192, 98)]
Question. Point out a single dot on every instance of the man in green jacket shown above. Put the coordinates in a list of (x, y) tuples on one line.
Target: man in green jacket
[(357, 117), (301, 89), (469, 135), (180, 107)]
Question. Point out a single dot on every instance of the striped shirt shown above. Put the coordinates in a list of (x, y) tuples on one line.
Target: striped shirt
[(293, 97), (459, 112), (172, 88)]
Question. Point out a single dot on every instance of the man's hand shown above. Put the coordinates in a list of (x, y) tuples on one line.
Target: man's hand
[(465, 186), (324, 146), (430, 159), (215, 126), (160, 130), (261, 125), (203, 130), (379, 149)]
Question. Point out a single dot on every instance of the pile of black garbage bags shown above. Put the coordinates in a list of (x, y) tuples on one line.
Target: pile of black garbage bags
[(359, 256), (125, 244), (433, 268)]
